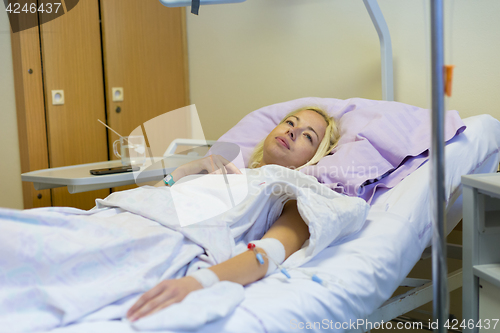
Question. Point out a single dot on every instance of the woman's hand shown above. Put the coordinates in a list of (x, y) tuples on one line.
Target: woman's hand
[(214, 164), (164, 294)]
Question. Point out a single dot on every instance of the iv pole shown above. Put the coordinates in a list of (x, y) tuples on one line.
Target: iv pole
[(439, 265)]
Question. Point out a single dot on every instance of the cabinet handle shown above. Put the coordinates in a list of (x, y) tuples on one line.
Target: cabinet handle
[(118, 109), (39, 196)]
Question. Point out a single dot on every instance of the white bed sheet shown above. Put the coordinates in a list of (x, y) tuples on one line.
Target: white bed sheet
[(362, 270)]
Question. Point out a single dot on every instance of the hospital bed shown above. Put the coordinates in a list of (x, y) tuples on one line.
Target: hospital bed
[(363, 270)]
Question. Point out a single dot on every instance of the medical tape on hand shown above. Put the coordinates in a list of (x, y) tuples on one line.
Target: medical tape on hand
[(275, 252), (205, 277)]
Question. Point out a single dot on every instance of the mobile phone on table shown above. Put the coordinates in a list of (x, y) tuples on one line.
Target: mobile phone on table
[(119, 169)]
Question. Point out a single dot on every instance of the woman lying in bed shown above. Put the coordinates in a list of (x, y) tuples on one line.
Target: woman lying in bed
[(302, 138)]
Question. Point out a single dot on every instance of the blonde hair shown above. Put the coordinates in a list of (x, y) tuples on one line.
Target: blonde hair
[(326, 145)]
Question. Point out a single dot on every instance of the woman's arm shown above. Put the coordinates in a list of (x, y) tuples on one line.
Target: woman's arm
[(289, 229), (244, 268), (211, 164)]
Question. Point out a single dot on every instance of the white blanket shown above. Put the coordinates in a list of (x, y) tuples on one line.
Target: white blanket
[(63, 265)]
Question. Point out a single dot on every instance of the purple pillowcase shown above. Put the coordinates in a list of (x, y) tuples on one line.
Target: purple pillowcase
[(376, 138)]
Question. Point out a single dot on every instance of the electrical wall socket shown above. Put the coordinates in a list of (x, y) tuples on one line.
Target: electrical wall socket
[(117, 93), (57, 97)]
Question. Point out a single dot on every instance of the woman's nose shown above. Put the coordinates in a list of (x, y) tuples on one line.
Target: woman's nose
[(291, 134)]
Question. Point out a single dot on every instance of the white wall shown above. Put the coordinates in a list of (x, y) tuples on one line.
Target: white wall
[(10, 166), (245, 56)]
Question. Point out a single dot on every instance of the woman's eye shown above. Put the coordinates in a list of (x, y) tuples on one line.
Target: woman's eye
[(309, 137), (289, 122)]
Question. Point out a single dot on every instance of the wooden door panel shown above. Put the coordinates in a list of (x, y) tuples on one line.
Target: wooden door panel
[(145, 54), (84, 200), (30, 111), (72, 61)]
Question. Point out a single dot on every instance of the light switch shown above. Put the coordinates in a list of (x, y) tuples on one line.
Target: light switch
[(57, 97), (117, 93)]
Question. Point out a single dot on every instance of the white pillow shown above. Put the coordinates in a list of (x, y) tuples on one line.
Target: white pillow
[(476, 150)]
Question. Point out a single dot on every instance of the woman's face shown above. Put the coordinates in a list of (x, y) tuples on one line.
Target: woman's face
[(295, 141)]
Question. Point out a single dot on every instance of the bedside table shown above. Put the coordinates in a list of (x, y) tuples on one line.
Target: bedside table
[(481, 252), (78, 178)]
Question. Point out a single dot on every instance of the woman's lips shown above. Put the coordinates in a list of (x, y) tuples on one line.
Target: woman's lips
[(283, 142)]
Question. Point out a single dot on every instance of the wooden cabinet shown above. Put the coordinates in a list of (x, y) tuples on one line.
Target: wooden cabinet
[(138, 46), (72, 62), (145, 54), (144, 45), (30, 111)]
